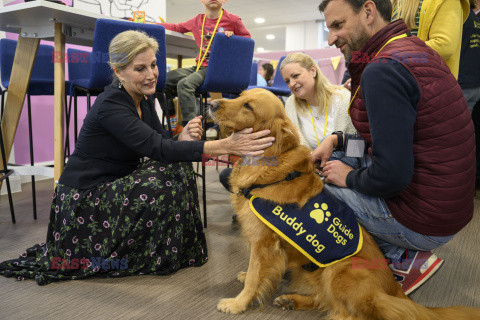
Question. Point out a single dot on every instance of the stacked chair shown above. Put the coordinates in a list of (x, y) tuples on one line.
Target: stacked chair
[(279, 87), (41, 84), (79, 69)]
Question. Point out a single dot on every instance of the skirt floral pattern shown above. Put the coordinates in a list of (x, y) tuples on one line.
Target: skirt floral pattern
[(147, 222)]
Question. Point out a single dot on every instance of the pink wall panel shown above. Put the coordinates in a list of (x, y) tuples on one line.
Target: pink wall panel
[(321, 56)]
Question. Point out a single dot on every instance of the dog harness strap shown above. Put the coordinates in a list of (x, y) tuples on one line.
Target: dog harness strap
[(310, 267), (289, 177)]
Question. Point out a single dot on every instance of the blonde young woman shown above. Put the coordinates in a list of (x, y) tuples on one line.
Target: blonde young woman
[(437, 22), (316, 107)]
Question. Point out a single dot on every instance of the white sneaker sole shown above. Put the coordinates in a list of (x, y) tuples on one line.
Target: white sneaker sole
[(436, 264)]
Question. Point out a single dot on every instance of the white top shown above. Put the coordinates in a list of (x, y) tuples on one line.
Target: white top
[(338, 118)]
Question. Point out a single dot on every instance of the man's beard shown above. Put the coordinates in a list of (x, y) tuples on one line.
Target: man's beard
[(357, 41), (348, 55)]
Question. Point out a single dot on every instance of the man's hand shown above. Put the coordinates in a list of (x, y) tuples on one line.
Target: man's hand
[(335, 172), (193, 130), (324, 151), (228, 33)]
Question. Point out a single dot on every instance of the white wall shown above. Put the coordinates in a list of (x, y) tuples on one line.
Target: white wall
[(302, 36), (121, 9)]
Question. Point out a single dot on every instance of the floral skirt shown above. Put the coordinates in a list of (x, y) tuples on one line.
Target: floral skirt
[(147, 222)]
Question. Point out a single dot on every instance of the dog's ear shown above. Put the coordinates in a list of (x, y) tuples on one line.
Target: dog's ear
[(285, 135)]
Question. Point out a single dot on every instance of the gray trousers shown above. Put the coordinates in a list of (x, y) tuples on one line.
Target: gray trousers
[(183, 82)]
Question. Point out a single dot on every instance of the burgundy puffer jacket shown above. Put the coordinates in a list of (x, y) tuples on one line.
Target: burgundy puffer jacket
[(439, 199)]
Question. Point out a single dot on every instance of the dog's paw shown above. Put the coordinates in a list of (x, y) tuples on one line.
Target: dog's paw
[(230, 306), (284, 302), (241, 276)]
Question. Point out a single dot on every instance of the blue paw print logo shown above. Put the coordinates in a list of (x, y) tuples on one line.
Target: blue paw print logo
[(320, 215)]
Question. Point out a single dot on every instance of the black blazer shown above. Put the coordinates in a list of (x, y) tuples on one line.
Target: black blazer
[(113, 138)]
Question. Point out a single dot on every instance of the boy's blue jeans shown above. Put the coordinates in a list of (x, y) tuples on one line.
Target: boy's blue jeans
[(373, 214)]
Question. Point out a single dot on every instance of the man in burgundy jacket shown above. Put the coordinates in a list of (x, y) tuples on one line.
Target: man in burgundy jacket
[(185, 81), (415, 187)]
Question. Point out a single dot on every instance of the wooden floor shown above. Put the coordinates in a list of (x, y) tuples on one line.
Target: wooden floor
[(191, 293)]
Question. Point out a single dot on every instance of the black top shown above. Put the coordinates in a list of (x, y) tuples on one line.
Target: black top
[(391, 94), (469, 72), (113, 138)]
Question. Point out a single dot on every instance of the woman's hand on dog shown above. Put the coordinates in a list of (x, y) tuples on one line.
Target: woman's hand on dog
[(193, 130), (244, 142), (247, 142)]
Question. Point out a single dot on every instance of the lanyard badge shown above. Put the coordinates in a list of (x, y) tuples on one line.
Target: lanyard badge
[(354, 147)]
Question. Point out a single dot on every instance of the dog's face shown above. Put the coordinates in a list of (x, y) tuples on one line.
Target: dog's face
[(258, 109)]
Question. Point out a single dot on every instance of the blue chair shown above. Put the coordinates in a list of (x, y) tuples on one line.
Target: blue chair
[(253, 74), (251, 84), (79, 68), (41, 84), (229, 70), (99, 73), (279, 87), (229, 65)]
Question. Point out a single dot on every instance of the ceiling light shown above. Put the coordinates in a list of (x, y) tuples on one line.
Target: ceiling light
[(270, 36), (260, 49), (259, 20)]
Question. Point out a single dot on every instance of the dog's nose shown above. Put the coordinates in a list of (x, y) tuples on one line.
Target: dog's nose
[(214, 106)]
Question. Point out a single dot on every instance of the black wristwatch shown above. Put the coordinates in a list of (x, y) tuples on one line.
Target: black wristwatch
[(340, 140)]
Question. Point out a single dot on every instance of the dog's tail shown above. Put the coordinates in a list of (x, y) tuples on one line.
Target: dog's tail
[(394, 308)]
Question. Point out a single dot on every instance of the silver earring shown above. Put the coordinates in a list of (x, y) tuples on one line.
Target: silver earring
[(119, 85)]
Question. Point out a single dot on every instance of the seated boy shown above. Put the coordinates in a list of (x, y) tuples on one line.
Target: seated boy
[(185, 81)]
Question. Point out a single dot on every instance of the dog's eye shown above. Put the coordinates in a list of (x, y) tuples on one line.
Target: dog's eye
[(246, 105)]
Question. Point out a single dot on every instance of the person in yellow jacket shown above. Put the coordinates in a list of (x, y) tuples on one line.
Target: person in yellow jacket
[(437, 22)]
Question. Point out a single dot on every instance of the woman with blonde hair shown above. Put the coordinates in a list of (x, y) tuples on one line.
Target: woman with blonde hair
[(437, 22), (317, 107), (113, 215)]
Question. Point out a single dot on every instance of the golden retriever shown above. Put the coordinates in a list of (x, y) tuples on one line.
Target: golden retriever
[(342, 291)]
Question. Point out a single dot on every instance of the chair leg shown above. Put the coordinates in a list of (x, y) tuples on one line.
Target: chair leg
[(10, 201), (68, 109), (164, 106), (204, 196), (3, 103), (75, 115), (5, 169), (203, 103), (88, 101), (30, 137)]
